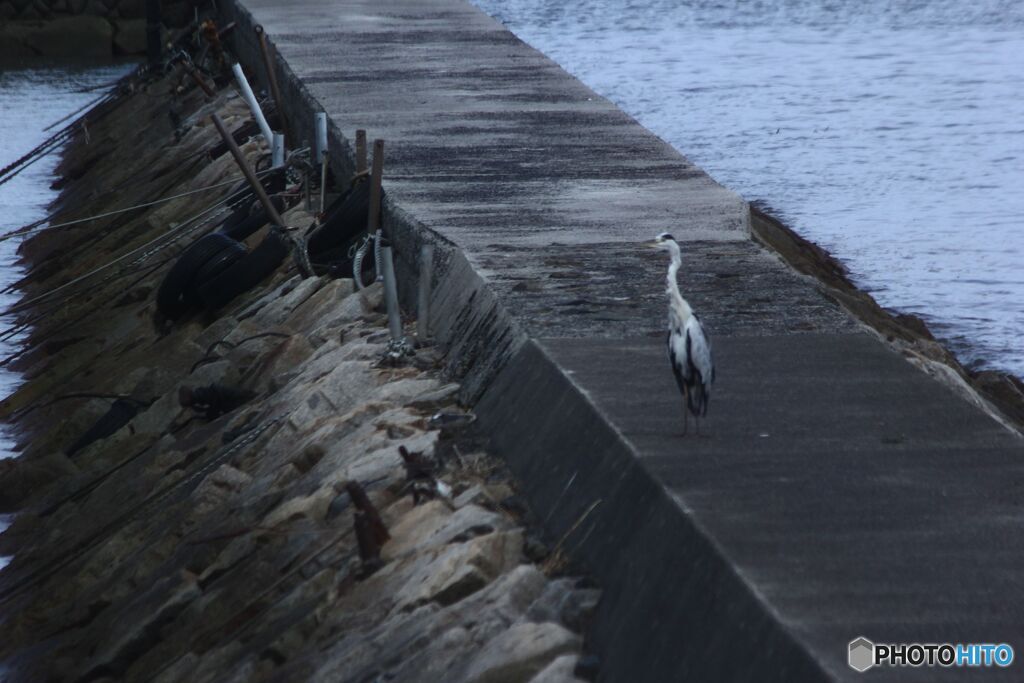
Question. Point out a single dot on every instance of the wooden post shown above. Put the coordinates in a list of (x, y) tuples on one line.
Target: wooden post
[(254, 182), (275, 91), (360, 150), (199, 80)]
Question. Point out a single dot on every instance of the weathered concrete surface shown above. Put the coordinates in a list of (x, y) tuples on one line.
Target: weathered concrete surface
[(880, 503), (833, 502)]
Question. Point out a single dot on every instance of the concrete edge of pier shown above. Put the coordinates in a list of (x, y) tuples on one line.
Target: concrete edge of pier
[(668, 583)]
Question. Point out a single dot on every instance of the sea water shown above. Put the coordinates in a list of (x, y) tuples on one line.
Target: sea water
[(889, 132)]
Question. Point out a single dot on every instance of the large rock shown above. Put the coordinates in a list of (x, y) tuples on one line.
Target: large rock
[(559, 671), (460, 570), (520, 653)]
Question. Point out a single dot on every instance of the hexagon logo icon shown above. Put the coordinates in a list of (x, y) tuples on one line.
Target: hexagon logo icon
[(862, 654)]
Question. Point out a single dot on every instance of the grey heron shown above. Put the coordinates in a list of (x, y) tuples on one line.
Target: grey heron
[(689, 347)]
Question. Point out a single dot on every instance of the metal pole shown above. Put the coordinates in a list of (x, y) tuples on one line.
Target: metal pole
[(254, 106), (321, 136), (277, 151), (275, 91), (261, 194), (423, 302), (360, 150), (323, 183), (154, 46), (376, 176), (391, 294)]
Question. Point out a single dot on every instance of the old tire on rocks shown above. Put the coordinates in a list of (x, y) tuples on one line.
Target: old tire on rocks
[(176, 293), (120, 413), (246, 272), (241, 224), (345, 220)]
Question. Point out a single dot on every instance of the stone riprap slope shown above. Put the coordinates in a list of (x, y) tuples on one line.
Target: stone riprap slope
[(202, 547)]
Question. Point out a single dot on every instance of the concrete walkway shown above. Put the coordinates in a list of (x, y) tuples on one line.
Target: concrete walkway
[(837, 491)]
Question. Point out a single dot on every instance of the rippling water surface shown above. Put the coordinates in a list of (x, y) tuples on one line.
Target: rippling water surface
[(31, 99), (891, 133)]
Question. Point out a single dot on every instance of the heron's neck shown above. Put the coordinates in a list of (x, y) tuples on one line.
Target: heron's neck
[(677, 303)]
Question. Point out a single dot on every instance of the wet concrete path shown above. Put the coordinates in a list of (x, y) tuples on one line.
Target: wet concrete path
[(838, 491)]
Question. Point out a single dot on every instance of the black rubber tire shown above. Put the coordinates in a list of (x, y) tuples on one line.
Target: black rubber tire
[(251, 223), (212, 268), (245, 273), (121, 413), (241, 197), (172, 297), (345, 220)]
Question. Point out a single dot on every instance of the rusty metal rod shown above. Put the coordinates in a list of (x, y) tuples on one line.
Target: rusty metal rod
[(363, 504), (275, 91), (199, 80), (261, 194)]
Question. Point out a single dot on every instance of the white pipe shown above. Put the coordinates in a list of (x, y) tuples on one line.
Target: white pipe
[(277, 151), (254, 106), (391, 295), (321, 136)]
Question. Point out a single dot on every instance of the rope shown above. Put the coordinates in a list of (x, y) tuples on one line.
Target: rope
[(18, 165), (208, 357), (48, 145), (56, 564), (45, 295), (84, 107), (28, 229)]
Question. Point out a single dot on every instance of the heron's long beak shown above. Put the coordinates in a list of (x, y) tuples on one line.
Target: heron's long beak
[(651, 244)]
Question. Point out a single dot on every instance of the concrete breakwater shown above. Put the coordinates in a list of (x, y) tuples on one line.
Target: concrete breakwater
[(222, 532), (832, 465), (842, 456)]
